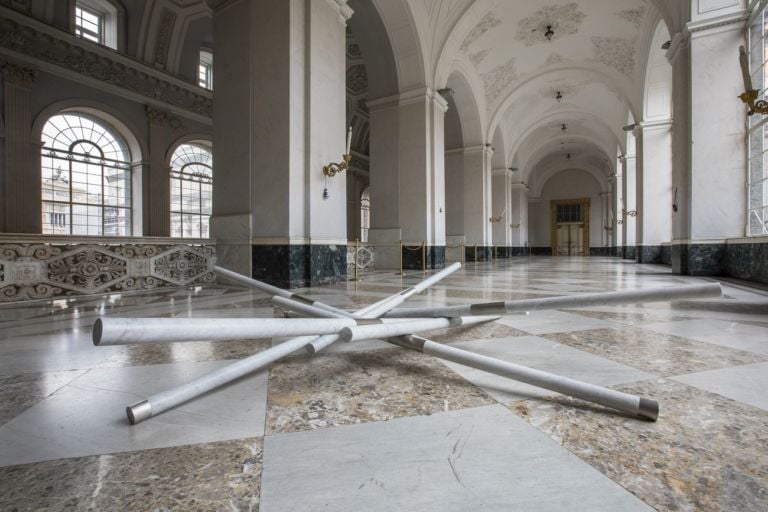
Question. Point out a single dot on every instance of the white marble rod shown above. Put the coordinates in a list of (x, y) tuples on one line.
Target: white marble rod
[(125, 331), (266, 288), (371, 331), (170, 398), (697, 291), (634, 405)]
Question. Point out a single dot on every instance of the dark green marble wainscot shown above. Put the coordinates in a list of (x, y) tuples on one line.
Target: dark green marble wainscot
[(748, 261), (629, 252), (699, 259), (484, 253), (600, 251), (658, 254), (434, 258), (299, 266)]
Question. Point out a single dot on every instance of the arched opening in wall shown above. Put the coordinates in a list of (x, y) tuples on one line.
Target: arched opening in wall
[(87, 187), (191, 190), (365, 214)]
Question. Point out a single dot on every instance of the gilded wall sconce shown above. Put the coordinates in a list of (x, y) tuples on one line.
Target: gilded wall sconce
[(333, 169)]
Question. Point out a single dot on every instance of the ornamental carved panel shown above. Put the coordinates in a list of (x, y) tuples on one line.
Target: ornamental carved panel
[(42, 271)]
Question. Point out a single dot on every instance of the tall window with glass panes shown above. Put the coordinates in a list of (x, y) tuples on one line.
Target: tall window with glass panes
[(89, 24), (191, 191), (757, 213), (205, 70)]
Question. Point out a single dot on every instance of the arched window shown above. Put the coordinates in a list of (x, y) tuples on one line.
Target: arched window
[(365, 214), (86, 178), (191, 190)]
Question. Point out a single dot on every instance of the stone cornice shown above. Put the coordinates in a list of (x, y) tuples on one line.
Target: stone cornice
[(47, 48), (717, 22)]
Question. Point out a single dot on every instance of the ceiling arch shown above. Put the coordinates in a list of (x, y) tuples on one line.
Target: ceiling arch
[(470, 113), (546, 175)]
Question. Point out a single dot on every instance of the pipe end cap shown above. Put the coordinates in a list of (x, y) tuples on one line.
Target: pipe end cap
[(648, 409), (139, 412), (98, 330)]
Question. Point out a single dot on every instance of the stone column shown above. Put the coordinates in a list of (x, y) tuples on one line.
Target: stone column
[(502, 203), (629, 214), (477, 201), (157, 175), (655, 194), (518, 219), (710, 180), (618, 221), (279, 116), (407, 159), (21, 200)]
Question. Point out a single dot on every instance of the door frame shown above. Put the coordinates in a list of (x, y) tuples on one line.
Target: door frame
[(585, 202)]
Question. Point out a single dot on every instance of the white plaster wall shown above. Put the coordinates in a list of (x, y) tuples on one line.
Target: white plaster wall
[(454, 193), (570, 184)]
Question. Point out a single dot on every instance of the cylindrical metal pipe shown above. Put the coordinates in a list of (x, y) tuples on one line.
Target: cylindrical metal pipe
[(697, 291), (371, 331), (641, 407), (165, 400), (123, 331), (306, 309)]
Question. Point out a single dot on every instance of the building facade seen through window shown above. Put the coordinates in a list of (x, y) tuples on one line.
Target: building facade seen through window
[(757, 213), (191, 191), (365, 214), (86, 178)]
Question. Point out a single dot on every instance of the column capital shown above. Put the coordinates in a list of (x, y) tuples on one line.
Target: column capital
[(409, 97), (501, 172), (654, 124), (156, 116), (18, 75), (519, 186), (679, 42)]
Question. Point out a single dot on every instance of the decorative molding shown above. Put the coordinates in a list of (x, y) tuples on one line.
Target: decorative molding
[(32, 41), (20, 76), (498, 79), (633, 16), (163, 38), (737, 18), (44, 271)]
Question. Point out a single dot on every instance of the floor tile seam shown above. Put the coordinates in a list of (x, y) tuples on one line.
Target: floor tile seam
[(733, 367), (713, 344)]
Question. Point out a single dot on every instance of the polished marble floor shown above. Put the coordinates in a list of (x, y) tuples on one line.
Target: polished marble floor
[(367, 426)]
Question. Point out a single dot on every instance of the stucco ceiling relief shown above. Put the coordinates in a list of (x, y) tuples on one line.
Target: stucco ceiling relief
[(563, 19), (497, 79), (477, 58), (486, 23), (615, 52), (633, 16)]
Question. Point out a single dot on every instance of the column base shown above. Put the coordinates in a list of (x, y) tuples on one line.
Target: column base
[(433, 259), (629, 252), (299, 266), (600, 251), (657, 254)]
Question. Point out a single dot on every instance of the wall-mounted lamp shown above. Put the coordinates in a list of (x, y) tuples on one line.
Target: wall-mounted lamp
[(631, 213), (629, 127), (512, 169), (445, 92), (564, 127), (568, 156), (549, 34), (559, 96), (749, 97), (667, 45), (498, 219), (674, 202), (333, 169), (514, 225)]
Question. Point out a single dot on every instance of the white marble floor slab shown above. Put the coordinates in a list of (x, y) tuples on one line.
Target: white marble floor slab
[(474, 459), (542, 355), (748, 383), (87, 416), (546, 322), (717, 332)]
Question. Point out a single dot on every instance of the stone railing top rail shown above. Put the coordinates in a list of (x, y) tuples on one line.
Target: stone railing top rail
[(24, 238)]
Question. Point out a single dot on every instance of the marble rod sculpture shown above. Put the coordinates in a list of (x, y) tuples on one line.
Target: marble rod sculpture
[(637, 406), (382, 307), (371, 331), (124, 331), (696, 291), (170, 398)]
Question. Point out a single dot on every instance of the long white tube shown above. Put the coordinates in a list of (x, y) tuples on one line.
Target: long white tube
[(309, 310), (124, 331), (631, 404), (634, 405), (698, 291), (165, 400), (371, 331)]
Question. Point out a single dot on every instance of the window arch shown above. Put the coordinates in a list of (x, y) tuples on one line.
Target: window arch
[(191, 190), (86, 178), (365, 213)]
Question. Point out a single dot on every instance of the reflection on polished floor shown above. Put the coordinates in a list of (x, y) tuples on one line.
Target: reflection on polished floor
[(371, 427)]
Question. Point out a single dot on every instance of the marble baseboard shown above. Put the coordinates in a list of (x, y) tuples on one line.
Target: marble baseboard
[(657, 254), (432, 258), (484, 253), (600, 251), (747, 261), (299, 266), (629, 252), (541, 251)]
